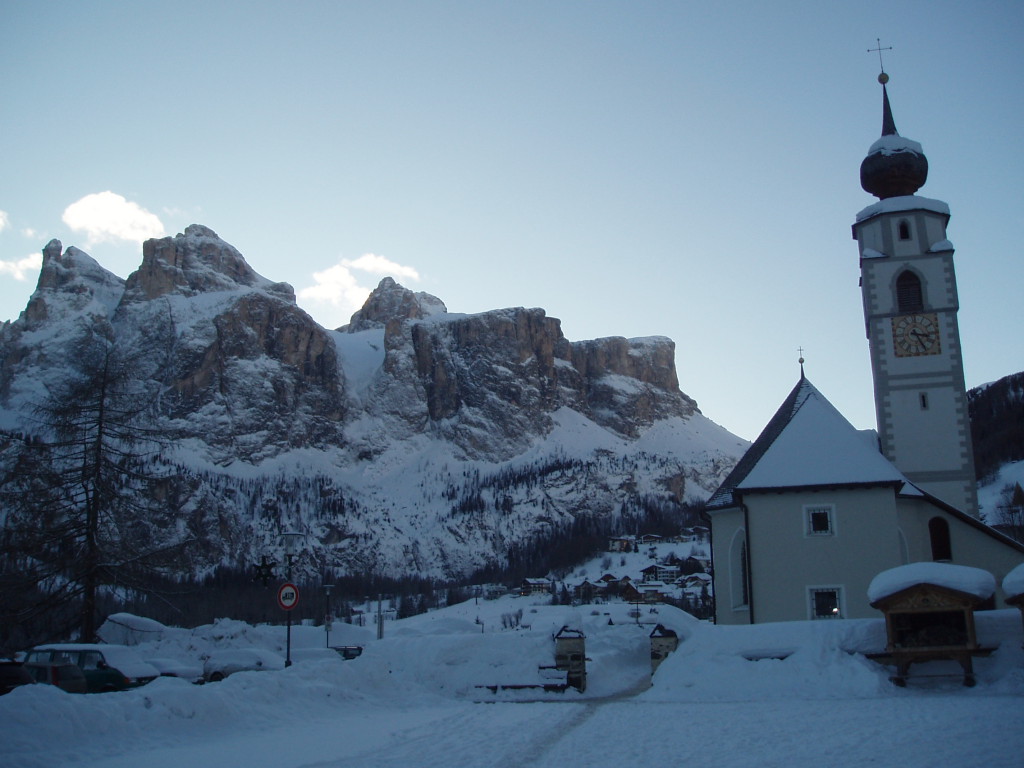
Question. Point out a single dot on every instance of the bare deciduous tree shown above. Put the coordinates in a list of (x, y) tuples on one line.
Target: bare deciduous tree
[(80, 512)]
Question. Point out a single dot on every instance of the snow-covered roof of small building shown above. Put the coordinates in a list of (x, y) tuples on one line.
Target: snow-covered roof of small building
[(962, 578), (1013, 584), (807, 443)]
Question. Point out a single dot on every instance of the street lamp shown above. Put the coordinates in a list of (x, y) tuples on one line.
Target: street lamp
[(328, 618), (291, 544)]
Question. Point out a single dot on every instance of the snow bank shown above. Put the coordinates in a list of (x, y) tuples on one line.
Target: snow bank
[(412, 697), (128, 629), (1013, 584)]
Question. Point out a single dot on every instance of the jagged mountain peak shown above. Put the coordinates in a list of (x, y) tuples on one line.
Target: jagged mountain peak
[(195, 261), (411, 441), (390, 302), (71, 283)]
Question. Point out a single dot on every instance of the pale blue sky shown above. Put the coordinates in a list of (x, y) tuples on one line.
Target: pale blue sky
[(685, 169)]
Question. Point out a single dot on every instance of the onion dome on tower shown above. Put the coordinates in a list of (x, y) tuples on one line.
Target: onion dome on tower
[(895, 166)]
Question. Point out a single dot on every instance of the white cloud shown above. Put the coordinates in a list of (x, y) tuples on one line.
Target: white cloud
[(4, 220), (106, 216), (336, 285), (371, 262), (337, 289), (22, 268)]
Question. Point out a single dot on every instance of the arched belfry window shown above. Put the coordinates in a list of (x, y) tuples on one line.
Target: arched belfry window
[(938, 532), (904, 229), (909, 296)]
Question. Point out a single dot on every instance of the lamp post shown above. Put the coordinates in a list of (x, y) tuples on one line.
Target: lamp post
[(290, 546), (328, 618)]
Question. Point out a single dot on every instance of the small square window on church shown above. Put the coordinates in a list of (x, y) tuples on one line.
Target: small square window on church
[(825, 602), (818, 520)]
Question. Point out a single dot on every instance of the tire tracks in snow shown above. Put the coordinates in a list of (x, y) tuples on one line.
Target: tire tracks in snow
[(540, 746)]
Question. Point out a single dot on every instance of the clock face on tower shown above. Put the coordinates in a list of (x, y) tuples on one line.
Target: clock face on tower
[(914, 335)]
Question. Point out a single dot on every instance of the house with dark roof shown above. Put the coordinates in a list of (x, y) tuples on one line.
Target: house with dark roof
[(813, 511)]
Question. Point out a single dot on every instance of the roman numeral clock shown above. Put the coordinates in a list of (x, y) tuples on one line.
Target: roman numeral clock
[(908, 287), (916, 334)]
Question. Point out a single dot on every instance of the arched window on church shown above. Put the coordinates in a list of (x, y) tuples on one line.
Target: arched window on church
[(938, 532), (739, 574), (904, 229), (909, 296)]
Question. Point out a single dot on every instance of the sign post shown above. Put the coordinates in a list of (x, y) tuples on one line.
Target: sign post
[(288, 598)]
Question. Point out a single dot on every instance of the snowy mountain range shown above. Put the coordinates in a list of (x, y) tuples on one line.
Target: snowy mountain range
[(412, 441)]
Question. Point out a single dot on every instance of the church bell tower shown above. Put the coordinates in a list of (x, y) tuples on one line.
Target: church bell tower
[(910, 311)]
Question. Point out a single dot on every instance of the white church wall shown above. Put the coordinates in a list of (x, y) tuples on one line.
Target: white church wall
[(787, 561), (968, 544)]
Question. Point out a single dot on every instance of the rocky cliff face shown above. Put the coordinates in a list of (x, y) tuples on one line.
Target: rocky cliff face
[(401, 443)]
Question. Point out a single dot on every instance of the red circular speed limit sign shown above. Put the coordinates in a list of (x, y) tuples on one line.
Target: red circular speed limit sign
[(288, 596)]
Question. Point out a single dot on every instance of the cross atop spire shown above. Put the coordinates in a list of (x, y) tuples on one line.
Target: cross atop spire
[(882, 77)]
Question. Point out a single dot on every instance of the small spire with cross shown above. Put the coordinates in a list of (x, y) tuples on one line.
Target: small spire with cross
[(800, 351), (882, 77)]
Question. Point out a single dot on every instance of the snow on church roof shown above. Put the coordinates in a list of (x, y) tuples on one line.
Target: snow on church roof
[(904, 203), (962, 578), (807, 443)]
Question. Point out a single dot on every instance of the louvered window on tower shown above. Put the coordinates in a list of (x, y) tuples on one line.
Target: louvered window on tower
[(909, 296)]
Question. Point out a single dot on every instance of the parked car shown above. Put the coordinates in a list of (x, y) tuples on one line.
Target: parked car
[(347, 652), (314, 654), (63, 674), (175, 668), (13, 674), (220, 664), (106, 667)]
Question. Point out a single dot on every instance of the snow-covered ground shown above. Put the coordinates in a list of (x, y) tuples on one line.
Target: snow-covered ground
[(413, 699)]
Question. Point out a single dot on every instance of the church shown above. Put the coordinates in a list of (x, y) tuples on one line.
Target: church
[(816, 508)]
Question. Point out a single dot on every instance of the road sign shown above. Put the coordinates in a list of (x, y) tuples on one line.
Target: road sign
[(288, 596)]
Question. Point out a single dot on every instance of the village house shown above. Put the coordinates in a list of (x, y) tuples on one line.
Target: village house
[(586, 591), (530, 587), (660, 572), (621, 544)]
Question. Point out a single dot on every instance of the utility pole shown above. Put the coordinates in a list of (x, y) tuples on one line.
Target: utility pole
[(380, 619)]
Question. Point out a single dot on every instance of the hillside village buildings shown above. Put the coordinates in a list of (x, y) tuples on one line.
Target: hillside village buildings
[(815, 509)]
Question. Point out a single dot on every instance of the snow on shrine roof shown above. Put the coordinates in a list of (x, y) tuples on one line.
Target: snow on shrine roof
[(1013, 584), (808, 443), (962, 578)]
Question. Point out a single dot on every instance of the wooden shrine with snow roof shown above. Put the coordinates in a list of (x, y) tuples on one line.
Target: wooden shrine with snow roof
[(929, 615)]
